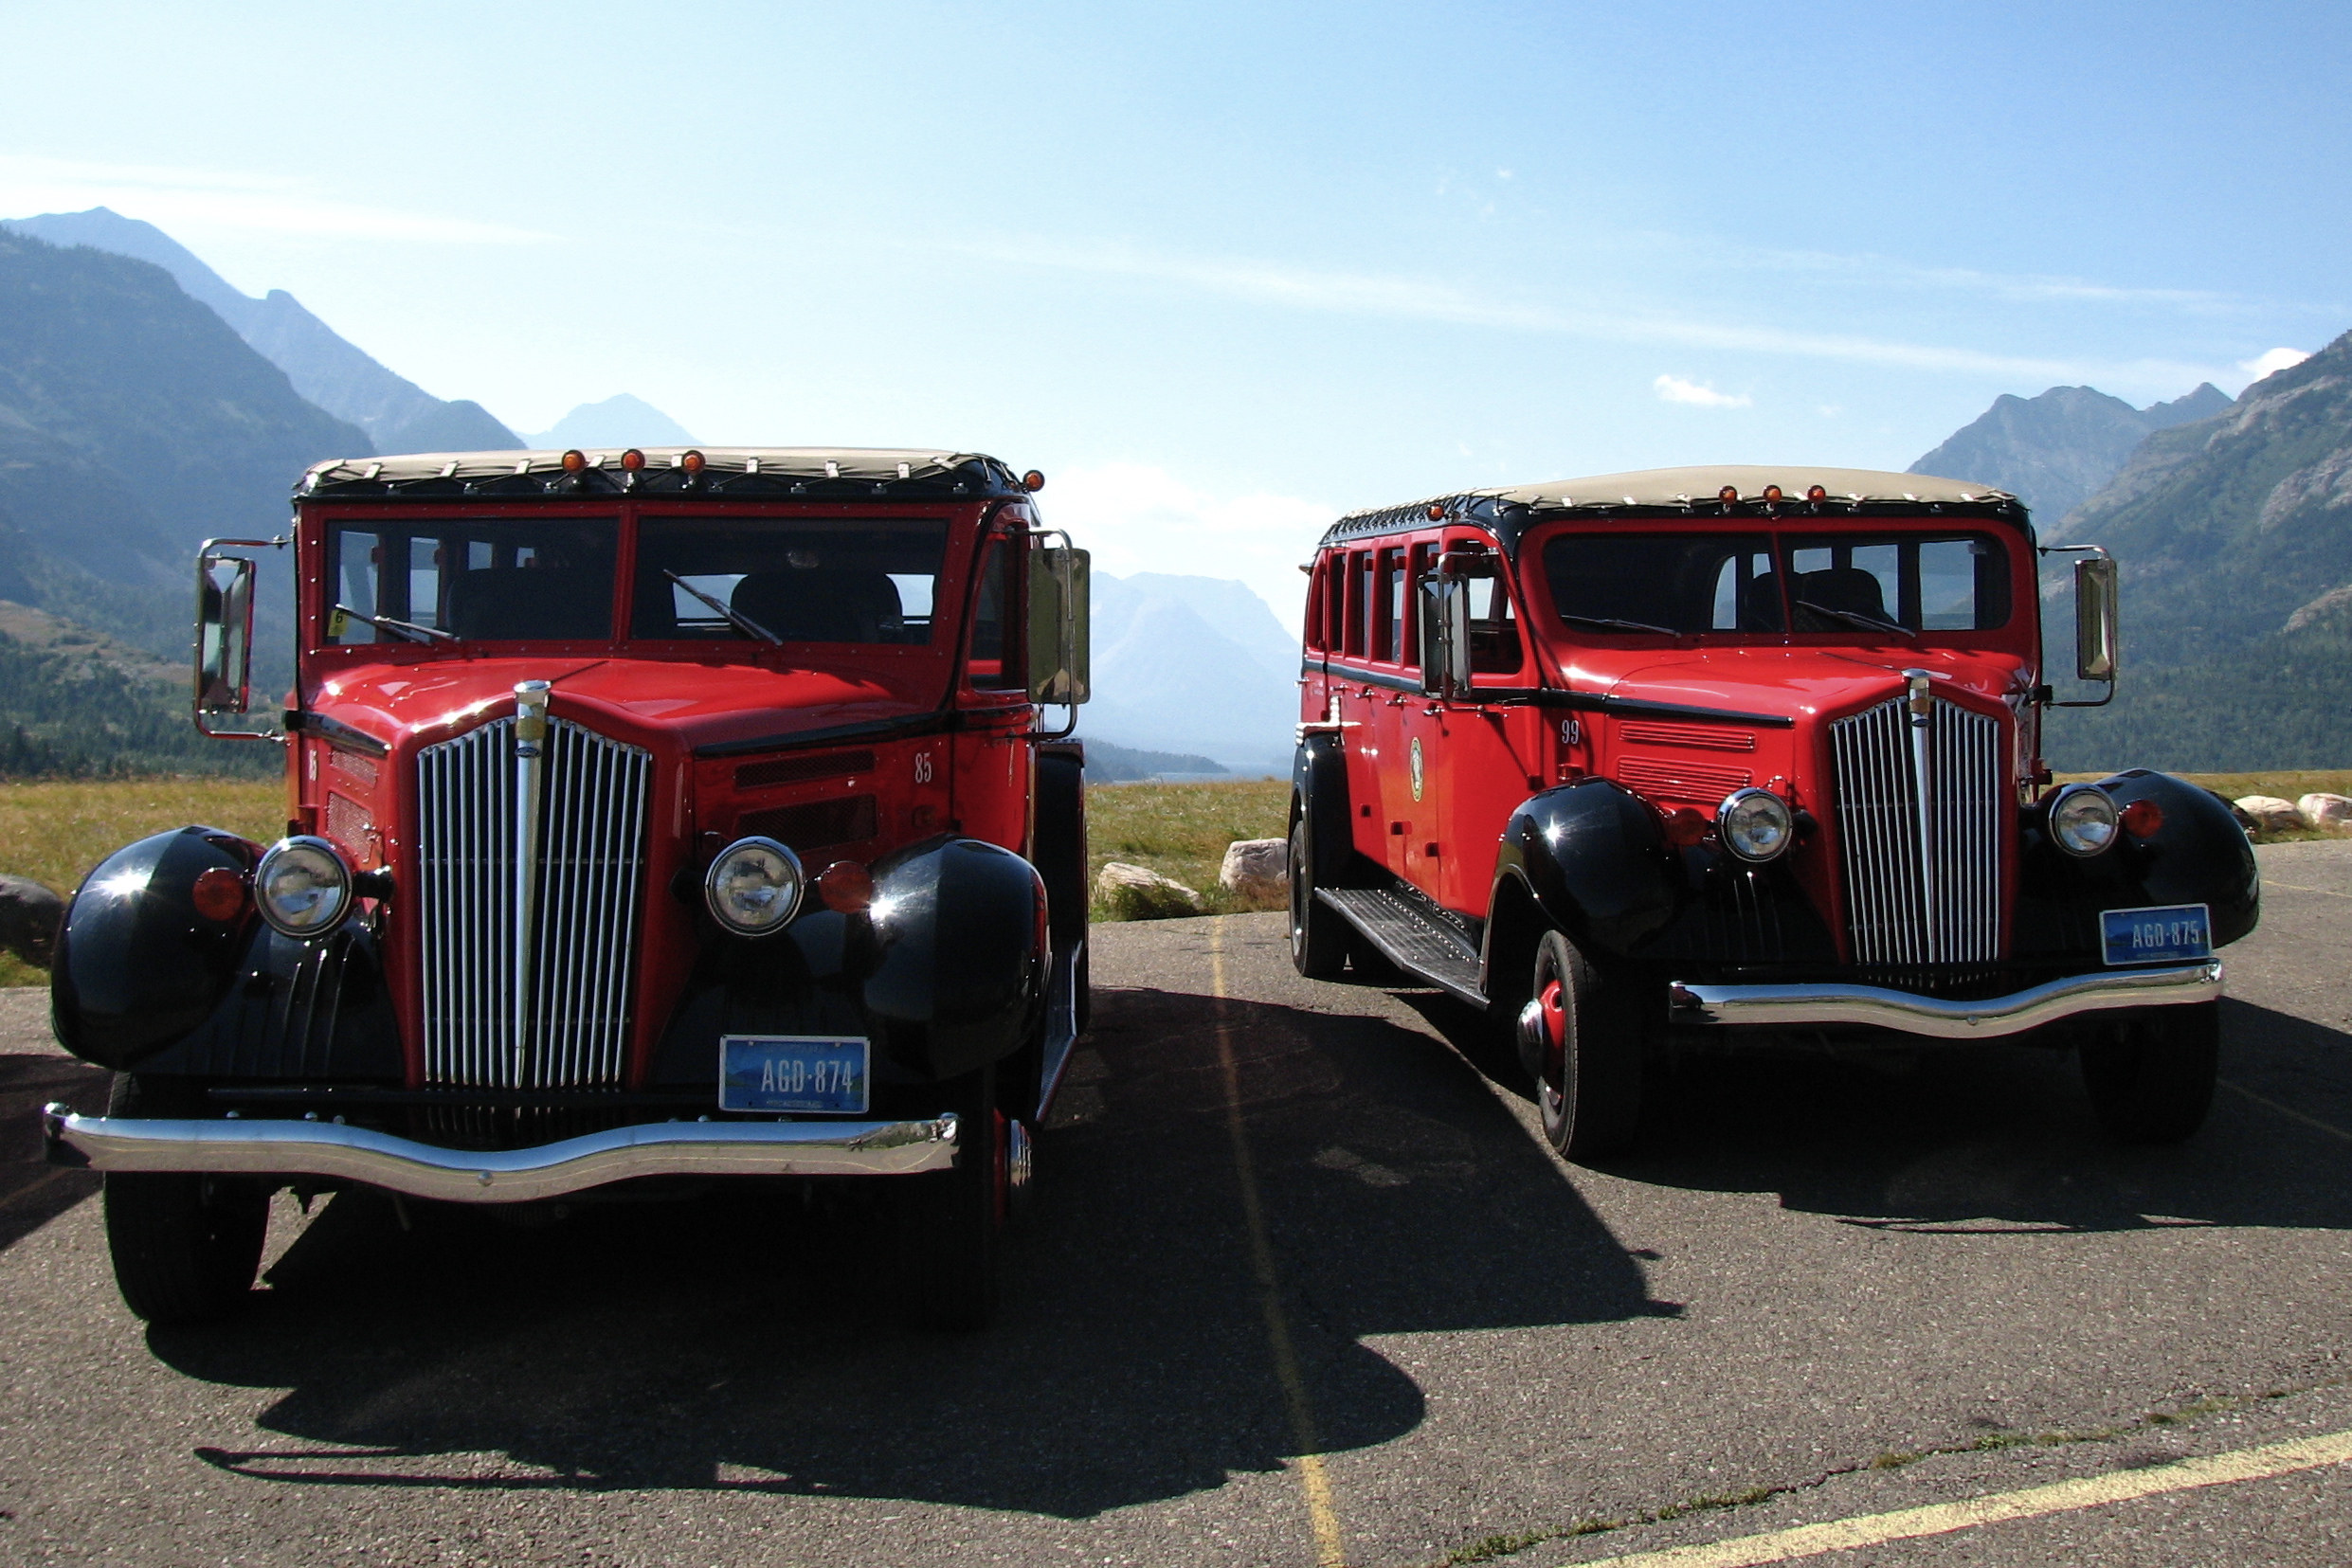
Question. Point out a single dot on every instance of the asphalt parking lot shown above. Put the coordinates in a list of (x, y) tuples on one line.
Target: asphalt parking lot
[(1303, 1285)]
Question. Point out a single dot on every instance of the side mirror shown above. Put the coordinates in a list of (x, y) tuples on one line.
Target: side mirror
[(1058, 625), (223, 636), (1445, 635), (2095, 600)]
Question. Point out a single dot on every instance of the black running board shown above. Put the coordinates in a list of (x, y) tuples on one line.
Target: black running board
[(1411, 938), (1061, 1024)]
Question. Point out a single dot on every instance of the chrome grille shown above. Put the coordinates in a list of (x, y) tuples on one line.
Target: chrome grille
[(1919, 811), (580, 957)]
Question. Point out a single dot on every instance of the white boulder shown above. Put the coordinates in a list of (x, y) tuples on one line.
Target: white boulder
[(1138, 892), (1261, 868), (2269, 813), (2332, 813)]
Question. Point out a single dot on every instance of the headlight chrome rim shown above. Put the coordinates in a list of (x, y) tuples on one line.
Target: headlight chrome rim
[(2079, 807), (315, 910), (1743, 807), (719, 888)]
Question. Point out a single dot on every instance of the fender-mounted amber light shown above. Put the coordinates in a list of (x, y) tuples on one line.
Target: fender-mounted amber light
[(218, 894), (846, 886), (2141, 820)]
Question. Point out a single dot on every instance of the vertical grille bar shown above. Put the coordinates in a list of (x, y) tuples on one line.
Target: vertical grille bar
[(1923, 874), (594, 798)]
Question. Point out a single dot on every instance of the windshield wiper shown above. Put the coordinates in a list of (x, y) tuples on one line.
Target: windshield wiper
[(736, 618), (407, 631), (1608, 625), (1856, 618)]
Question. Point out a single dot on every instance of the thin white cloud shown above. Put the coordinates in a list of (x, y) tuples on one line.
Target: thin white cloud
[(2019, 287), (1373, 294), (192, 199), (2272, 363), (1698, 394)]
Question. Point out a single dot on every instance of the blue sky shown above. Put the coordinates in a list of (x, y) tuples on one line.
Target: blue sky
[(1223, 269)]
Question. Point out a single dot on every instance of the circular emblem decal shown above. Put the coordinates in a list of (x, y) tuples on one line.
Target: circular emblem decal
[(1417, 767)]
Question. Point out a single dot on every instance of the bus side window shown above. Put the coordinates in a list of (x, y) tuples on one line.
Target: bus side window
[(1493, 635), (1359, 599), (1387, 605), (994, 662)]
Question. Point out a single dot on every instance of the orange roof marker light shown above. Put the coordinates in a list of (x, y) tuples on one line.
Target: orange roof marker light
[(1436, 513), (1817, 495), (574, 460), (1772, 494), (690, 462), (1729, 495), (1033, 481), (631, 461)]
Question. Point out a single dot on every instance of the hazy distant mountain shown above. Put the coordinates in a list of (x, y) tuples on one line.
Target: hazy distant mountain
[(1106, 763), (2234, 535), (133, 423), (398, 415), (620, 420), (1196, 664), (2053, 451)]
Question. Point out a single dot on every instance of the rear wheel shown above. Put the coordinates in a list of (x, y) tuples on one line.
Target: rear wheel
[(1583, 1027), (186, 1247), (1319, 937), (2151, 1077), (951, 1222)]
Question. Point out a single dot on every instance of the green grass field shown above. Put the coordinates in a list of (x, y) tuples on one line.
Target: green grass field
[(55, 832)]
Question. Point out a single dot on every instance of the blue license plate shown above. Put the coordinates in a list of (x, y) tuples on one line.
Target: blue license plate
[(793, 1072), (2168, 933)]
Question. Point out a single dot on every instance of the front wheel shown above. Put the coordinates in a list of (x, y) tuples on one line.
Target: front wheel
[(951, 1222), (2151, 1078), (1319, 938), (1583, 1027), (185, 1246)]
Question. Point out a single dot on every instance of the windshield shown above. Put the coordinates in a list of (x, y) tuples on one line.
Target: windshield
[(435, 580), (1684, 583), (789, 579)]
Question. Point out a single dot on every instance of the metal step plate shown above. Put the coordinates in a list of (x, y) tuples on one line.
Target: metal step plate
[(1411, 939)]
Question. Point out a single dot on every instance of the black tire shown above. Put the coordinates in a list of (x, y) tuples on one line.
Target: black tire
[(951, 1222), (1061, 862), (1319, 937), (2151, 1077), (184, 1247), (1589, 1051)]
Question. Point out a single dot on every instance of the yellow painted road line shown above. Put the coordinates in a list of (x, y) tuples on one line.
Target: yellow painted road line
[(1314, 1479), (2096, 1491), (2289, 1112), (2297, 887)]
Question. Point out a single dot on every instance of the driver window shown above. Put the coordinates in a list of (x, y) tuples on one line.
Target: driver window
[(994, 662), (1493, 635)]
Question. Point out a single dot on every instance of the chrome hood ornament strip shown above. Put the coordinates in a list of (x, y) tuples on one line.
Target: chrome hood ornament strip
[(530, 744)]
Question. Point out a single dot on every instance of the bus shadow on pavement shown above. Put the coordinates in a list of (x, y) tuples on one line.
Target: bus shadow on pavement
[(1988, 1139), (748, 1341), (33, 1193)]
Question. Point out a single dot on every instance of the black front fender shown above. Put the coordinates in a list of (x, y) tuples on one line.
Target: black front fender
[(1596, 861), (945, 974), (2199, 856), (137, 967), (960, 927)]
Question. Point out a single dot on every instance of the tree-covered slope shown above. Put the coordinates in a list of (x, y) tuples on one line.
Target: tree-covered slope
[(133, 423)]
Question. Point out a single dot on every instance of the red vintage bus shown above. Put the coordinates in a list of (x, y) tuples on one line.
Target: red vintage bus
[(653, 818), (1731, 752)]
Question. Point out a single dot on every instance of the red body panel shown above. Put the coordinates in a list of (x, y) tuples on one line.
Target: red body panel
[(1435, 821), (960, 758)]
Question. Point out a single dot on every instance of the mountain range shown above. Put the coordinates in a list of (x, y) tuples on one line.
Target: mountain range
[(1192, 664), (2054, 451), (398, 415)]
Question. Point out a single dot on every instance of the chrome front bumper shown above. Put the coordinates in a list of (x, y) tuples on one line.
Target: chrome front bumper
[(1908, 1013), (334, 1151)]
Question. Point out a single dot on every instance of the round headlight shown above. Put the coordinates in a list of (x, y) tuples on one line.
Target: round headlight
[(753, 886), (1755, 824), (2082, 819), (302, 887)]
